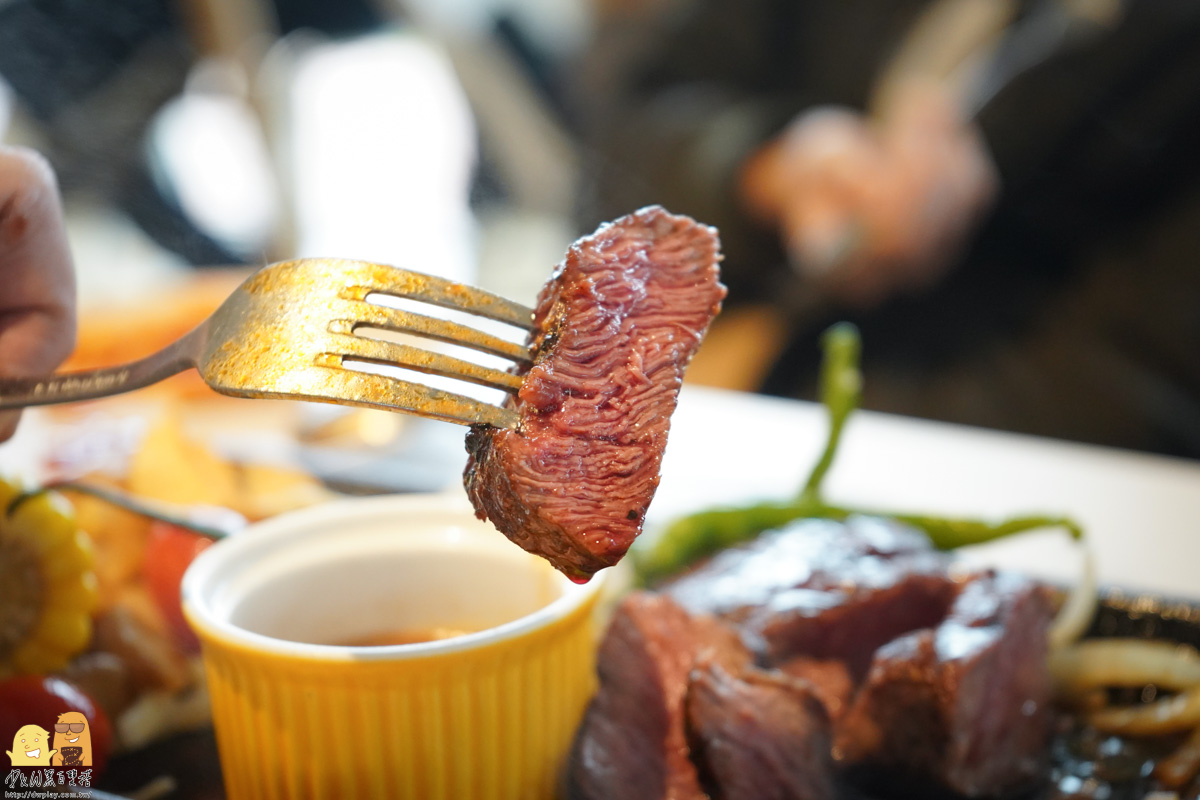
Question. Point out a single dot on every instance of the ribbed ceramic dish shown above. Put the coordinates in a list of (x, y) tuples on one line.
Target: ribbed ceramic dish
[(484, 715)]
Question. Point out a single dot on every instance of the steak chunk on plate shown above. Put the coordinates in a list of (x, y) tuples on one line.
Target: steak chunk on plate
[(632, 743), (824, 589), (614, 330), (759, 736), (966, 704)]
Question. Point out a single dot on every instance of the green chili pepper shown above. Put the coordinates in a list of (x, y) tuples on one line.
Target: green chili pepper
[(695, 536), (949, 534), (841, 392), (691, 538), (698, 535)]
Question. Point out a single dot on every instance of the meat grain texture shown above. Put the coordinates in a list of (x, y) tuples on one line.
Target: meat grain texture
[(759, 735), (964, 704), (694, 700), (633, 743), (615, 327)]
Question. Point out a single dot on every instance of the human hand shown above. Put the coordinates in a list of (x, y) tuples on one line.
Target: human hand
[(871, 207), (37, 302)]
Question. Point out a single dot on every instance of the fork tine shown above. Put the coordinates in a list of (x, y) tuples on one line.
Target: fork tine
[(347, 387), (393, 319), (416, 358), (439, 292)]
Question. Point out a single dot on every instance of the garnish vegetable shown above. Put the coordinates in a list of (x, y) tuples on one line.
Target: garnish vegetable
[(690, 538)]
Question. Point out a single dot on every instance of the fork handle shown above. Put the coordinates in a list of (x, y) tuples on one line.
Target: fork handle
[(70, 387)]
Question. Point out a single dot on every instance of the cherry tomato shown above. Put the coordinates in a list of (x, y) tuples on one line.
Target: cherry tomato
[(169, 552), (38, 700)]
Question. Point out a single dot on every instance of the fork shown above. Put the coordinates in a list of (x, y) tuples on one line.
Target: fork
[(289, 329)]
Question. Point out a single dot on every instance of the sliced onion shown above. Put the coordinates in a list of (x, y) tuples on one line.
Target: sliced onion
[(1172, 715), (1098, 663), (1079, 609)]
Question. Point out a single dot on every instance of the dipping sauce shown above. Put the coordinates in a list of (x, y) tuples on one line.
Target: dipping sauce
[(411, 636)]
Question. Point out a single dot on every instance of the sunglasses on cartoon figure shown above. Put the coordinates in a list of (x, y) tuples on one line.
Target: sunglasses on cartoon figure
[(73, 727)]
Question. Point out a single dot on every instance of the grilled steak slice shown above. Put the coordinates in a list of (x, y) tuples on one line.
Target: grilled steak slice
[(632, 742), (614, 329), (965, 705), (760, 736), (825, 589)]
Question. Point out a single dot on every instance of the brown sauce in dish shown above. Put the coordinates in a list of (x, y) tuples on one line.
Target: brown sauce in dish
[(406, 636)]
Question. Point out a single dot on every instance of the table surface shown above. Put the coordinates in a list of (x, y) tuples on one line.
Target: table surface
[(1141, 512)]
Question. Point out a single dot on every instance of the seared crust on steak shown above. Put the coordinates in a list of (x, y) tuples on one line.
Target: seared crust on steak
[(758, 735), (632, 743), (824, 589), (966, 704), (614, 330)]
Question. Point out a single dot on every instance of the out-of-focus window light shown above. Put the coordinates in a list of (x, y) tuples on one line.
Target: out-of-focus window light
[(382, 148), (208, 147)]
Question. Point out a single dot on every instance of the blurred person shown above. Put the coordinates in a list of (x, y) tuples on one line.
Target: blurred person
[(1034, 266), (37, 305)]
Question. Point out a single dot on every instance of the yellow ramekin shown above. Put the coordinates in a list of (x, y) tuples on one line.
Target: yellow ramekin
[(484, 715)]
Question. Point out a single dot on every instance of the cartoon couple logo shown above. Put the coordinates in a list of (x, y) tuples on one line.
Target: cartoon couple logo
[(72, 745)]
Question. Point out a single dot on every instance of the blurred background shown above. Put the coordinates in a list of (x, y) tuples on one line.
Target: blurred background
[(1004, 196)]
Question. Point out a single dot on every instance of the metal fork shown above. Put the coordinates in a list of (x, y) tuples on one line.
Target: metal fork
[(288, 330)]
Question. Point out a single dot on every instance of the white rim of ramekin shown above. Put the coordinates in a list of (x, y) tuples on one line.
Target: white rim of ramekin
[(205, 568)]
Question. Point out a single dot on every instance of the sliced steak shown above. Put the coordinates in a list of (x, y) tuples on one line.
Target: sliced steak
[(824, 589), (614, 329), (965, 705), (632, 743), (758, 736), (830, 681)]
